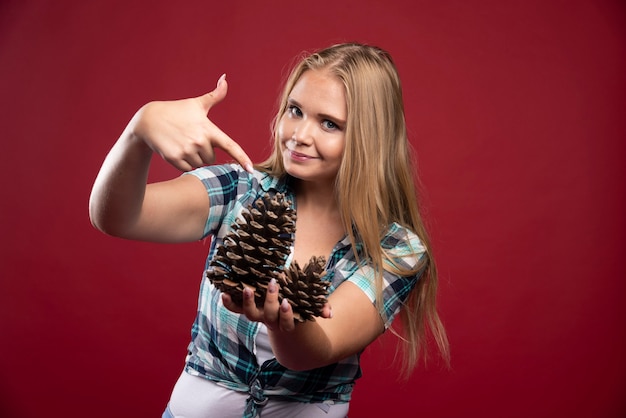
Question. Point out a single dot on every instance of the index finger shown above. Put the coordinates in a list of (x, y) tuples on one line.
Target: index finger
[(232, 148)]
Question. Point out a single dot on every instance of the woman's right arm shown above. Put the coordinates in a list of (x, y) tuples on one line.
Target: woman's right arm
[(124, 205)]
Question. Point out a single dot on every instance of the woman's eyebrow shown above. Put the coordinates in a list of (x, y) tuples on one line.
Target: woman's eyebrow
[(293, 102)]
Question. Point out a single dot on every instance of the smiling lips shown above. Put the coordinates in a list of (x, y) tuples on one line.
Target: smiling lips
[(296, 156)]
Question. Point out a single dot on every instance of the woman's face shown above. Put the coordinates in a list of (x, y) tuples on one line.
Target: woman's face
[(312, 129)]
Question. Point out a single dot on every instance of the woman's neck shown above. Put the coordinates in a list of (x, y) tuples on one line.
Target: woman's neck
[(320, 198), (318, 226)]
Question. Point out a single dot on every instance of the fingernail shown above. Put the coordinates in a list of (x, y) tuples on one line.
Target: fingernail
[(221, 79), (248, 167), (271, 287), (284, 306)]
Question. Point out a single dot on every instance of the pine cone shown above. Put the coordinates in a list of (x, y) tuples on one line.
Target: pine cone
[(255, 251), (304, 288)]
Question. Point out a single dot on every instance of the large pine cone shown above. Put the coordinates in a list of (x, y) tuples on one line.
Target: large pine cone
[(255, 251), (304, 288)]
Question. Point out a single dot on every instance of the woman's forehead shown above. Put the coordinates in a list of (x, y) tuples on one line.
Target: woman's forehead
[(322, 91)]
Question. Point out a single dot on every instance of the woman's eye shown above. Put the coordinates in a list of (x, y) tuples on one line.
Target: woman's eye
[(294, 110), (330, 125)]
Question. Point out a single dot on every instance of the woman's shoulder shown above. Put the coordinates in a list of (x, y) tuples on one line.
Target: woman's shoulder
[(400, 241)]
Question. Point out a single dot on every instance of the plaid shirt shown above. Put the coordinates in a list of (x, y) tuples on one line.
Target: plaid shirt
[(223, 347)]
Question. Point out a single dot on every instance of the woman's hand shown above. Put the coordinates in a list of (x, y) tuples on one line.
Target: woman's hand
[(355, 323), (182, 134), (123, 204), (276, 316)]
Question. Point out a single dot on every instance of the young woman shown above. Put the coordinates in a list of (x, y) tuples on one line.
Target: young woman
[(341, 155)]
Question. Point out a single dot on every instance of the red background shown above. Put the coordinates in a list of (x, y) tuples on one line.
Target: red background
[(516, 109)]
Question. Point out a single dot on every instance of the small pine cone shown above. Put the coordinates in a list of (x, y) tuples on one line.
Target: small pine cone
[(305, 288), (256, 248)]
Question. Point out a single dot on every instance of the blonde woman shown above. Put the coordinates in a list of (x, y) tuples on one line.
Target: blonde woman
[(341, 155)]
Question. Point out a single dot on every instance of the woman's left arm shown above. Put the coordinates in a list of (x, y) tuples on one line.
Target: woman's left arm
[(350, 326)]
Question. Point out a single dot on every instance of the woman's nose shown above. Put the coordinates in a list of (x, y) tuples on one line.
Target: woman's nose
[(303, 132)]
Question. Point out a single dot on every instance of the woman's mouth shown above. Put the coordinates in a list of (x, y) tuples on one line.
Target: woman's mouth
[(297, 156)]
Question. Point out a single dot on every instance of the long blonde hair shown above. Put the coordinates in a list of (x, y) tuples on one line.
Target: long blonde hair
[(375, 184)]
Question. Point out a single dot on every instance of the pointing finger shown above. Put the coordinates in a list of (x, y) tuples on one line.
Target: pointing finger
[(221, 140), (232, 148)]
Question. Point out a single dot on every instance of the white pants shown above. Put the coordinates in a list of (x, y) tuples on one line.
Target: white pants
[(196, 397)]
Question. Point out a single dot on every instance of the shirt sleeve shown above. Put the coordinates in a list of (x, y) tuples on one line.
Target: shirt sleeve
[(404, 250), (230, 188)]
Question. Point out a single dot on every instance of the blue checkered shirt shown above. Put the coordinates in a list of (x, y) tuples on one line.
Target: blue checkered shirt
[(223, 348)]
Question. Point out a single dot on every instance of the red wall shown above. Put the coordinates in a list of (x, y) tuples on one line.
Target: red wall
[(516, 109)]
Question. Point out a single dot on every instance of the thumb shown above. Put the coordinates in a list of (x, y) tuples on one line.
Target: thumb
[(212, 98)]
